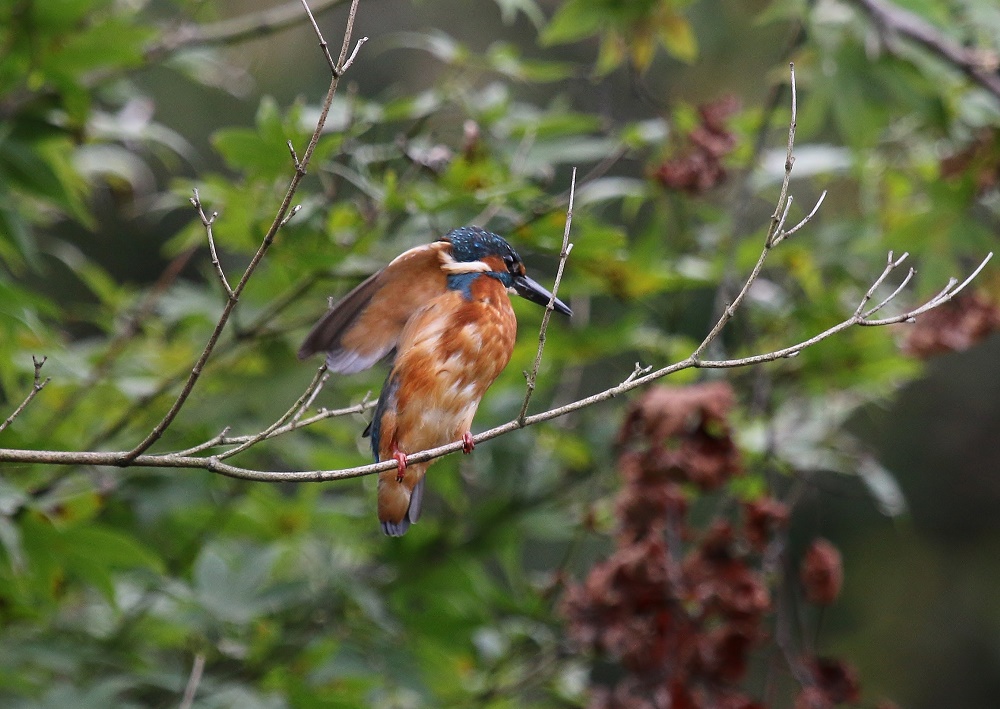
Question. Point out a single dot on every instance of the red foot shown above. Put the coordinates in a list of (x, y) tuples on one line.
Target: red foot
[(468, 445), (400, 457)]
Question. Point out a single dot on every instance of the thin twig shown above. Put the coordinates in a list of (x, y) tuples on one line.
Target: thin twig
[(286, 203), (207, 222), (312, 397), (780, 205), (892, 296), (782, 235), (235, 30), (224, 439), (218, 440), (563, 255), (350, 60), (774, 233), (194, 679), (36, 387), (891, 264), (324, 47), (303, 401)]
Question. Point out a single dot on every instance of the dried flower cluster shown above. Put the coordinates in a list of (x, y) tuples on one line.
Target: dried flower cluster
[(698, 165), (682, 609)]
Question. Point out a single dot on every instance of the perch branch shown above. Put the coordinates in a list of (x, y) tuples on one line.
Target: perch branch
[(638, 378), (216, 465)]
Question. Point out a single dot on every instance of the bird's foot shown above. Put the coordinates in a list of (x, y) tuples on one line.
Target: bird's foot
[(468, 444), (400, 457)]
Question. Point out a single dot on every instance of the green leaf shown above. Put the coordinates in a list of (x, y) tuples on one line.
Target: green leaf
[(574, 20), (677, 37)]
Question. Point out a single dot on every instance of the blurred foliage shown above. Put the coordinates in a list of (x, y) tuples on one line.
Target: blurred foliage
[(113, 581)]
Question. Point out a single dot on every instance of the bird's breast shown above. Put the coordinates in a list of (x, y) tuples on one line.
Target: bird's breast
[(449, 354)]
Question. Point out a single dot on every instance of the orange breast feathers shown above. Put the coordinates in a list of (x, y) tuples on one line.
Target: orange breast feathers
[(449, 354)]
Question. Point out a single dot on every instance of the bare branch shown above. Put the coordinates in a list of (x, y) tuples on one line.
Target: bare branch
[(890, 266), (894, 22), (637, 372), (194, 679), (782, 235), (207, 222), (36, 387), (350, 60), (892, 296), (940, 299), (563, 255), (218, 440), (265, 245), (296, 410), (639, 377), (774, 233), (324, 47), (780, 207), (235, 30), (291, 213)]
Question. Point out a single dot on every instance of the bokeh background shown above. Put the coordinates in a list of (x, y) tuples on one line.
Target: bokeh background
[(115, 583)]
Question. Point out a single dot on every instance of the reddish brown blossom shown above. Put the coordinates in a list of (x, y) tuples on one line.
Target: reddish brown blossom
[(822, 573), (837, 680), (723, 652), (953, 327), (697, 167), (687, 433), (720, 580), (645, 508), (679, 611), (763, 518), (812, 698)]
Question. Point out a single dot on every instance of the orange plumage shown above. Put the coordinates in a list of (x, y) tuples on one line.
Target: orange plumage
[(444, 309)]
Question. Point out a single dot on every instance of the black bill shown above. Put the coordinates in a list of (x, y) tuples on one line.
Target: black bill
[(536, 293)]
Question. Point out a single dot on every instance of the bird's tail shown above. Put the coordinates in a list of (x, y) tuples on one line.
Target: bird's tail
[(399, 501)]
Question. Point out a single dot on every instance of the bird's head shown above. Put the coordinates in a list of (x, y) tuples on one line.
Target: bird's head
[(477, 251)]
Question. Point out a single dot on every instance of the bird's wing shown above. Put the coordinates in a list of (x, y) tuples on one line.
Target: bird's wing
[(364, 326)]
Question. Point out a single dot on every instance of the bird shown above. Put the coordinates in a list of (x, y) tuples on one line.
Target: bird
[(442, 312)]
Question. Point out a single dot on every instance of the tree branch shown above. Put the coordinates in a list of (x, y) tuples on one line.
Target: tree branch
[(235, 30), (194, 679), (36, 387), (279, 220), (207, 222), (638, 378), (893, 22)]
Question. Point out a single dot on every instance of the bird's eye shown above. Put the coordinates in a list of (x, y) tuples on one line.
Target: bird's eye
[(509, 262)]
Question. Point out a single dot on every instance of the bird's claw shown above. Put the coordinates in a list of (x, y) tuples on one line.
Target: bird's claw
[(468, 444), (400, 457)]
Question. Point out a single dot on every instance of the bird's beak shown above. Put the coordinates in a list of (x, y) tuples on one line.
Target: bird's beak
[(536, 293)]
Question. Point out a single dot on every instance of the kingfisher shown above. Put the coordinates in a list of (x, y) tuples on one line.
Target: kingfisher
[(442, 312)]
